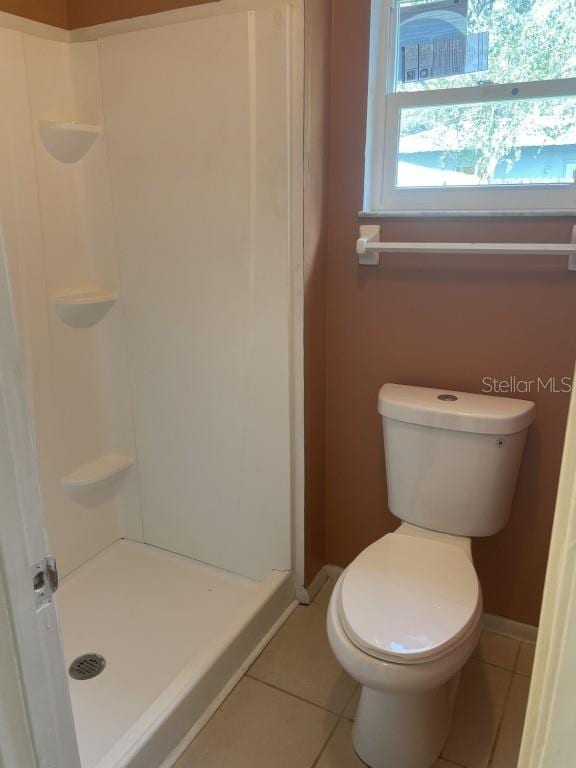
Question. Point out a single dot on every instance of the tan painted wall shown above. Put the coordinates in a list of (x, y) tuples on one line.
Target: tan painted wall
[(47, 11), (435, 321), (70, 14), (317, 87), (85, 13)]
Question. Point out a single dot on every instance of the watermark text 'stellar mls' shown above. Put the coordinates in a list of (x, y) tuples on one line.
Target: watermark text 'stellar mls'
[(520, 386)]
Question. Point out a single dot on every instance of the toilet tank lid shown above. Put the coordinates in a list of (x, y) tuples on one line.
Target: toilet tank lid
[(461, 411)]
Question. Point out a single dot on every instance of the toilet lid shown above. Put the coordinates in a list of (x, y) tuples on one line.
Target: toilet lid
[(408, 599)]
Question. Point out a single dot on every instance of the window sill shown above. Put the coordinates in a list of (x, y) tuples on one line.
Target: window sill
[(475, 214)]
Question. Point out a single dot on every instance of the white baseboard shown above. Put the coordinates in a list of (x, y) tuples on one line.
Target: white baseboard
[(502, 626), (305, 595), (498, 624), (333, 571)]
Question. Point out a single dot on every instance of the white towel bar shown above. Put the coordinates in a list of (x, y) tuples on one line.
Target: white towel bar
[(369, 247)]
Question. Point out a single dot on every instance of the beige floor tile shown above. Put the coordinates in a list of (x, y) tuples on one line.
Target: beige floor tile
[(352, 706), (497, 649), (323, 597), (525, 659), (259, 727), (299, 660), (510, 736), (339, 752), (477, 714)]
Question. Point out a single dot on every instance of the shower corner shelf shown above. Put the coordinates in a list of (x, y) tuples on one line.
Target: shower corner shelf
[(96, 482), (68, 142), (82, 309)]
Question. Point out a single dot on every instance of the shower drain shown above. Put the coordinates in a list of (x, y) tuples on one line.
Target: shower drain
[(87, 666)]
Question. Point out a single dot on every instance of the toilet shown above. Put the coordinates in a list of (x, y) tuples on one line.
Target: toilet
[(405, 616)]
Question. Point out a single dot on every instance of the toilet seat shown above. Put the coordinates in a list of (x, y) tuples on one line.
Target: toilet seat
[(408, 599)]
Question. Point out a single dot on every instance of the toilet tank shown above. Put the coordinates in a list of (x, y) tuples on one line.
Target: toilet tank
[(452, 458)]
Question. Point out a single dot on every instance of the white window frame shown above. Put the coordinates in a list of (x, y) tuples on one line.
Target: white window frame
[(381, 196)]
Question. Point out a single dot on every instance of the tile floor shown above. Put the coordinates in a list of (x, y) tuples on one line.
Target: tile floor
[(295, 706)]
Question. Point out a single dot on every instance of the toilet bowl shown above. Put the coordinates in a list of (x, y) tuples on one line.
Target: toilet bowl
[(408, 676), (405, 616)]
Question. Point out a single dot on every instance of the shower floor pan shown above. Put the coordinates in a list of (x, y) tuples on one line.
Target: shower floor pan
[(174, 633)]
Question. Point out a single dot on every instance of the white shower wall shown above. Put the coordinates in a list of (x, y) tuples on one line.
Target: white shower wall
[(58, 228), (198, 128), (182, 207)]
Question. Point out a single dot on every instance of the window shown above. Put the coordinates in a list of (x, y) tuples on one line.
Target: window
[(472, 106)]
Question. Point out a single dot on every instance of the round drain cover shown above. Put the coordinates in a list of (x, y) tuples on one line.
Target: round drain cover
[(87, 666)]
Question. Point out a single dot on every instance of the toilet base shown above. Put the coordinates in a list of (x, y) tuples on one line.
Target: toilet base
[(405, 730)]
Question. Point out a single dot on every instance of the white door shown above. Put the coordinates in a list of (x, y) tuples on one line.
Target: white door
[(23, 544), (549, 734)]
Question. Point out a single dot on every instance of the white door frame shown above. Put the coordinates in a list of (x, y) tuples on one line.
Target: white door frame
[(16, 747), (296, 64), (549, 736), (23, 543)]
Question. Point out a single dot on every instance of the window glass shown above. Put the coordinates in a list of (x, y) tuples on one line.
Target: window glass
[(459, 43), (491, 143)]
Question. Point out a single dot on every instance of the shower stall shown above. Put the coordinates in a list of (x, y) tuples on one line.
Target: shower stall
[(151, 215)]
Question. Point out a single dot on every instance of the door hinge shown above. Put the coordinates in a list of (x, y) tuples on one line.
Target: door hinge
[(44, 580)]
